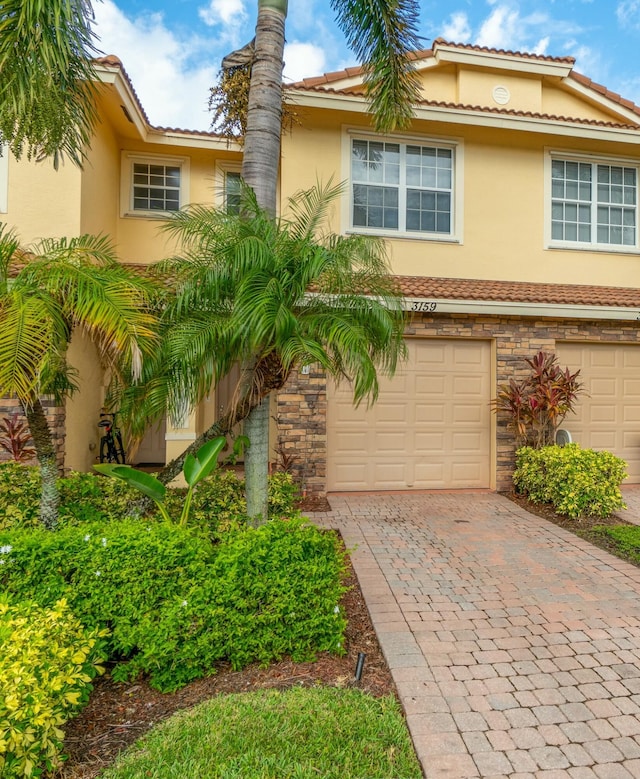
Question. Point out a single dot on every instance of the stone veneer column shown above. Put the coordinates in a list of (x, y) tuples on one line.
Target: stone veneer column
[(302, 428)]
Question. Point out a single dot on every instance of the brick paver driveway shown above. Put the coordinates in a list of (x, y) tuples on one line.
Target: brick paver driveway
[(515, 646)]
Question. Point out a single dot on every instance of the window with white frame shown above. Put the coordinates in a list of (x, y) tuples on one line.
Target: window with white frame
[(403, 187), (232, 181), (594, 203), (154, 185)]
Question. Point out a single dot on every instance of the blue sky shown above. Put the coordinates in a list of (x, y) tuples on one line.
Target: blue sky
[(172, 48)]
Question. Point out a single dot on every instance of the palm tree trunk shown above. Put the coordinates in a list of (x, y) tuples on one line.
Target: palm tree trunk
[(46, 454), (261, 157), (260, 165), (256, 462)]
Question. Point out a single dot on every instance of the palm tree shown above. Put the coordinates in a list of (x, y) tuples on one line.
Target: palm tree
[(381, 34), (46, 292), (272, 294), (47, 90)]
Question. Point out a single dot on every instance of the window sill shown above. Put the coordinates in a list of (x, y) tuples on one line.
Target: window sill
[(594, 248), (156, 215), (391, 234)]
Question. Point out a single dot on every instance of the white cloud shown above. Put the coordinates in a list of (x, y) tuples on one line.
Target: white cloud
[(227, 12), (169, 73), (628, 13), (457, 28), (542, 45), (501, 29), (302, 60)]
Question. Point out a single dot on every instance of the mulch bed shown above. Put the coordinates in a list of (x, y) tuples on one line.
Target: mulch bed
[(118, 714)]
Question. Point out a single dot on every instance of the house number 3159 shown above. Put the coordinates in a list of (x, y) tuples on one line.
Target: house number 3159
[(423, 305)]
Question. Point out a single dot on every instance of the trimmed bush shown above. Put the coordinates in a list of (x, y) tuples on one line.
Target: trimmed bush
[(218, 501), (577, 482), (175, 603), (47, 662)]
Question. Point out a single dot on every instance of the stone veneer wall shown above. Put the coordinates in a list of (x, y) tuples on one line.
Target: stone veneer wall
[(302, 404), (55, 418)]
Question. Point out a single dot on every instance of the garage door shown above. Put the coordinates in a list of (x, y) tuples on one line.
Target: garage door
[(429, 429), (610, 417)]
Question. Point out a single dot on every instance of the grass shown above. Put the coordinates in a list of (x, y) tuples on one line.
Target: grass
[(623, 540), (301, 733)]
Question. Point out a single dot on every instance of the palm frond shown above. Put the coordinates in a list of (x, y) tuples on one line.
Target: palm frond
[(382, 33)]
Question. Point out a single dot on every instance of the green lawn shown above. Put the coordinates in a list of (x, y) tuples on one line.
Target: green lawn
[(318, 733)]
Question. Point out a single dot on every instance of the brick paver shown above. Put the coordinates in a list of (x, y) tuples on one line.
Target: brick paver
[(515, 645)]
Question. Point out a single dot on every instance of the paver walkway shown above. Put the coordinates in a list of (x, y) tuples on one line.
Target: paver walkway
[(514, 645)]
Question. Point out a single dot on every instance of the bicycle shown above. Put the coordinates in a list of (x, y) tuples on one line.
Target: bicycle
[(111, 446)]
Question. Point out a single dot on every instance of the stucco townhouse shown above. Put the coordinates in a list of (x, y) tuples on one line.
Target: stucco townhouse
[(510, 210)]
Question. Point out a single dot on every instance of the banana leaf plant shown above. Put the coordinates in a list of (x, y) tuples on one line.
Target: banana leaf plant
[(196, 468)]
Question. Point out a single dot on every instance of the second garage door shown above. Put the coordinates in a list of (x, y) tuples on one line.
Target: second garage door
[(429, 429), (608, 414)]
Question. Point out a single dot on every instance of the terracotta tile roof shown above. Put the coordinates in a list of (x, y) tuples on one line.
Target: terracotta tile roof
[(518, 292), (339, 75), (329, 78), (495, 110)]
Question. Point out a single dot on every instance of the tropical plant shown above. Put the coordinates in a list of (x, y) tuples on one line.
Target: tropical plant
[(381, 33), (15, 437), (47, 292), (242, 294), (47, 97), (196, 468), (536, 405)]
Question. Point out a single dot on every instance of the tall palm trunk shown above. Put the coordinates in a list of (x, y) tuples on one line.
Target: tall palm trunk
[(260, 166), (46, 454)]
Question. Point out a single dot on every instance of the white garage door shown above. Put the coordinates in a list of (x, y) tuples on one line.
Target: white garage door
[(609, 418), (429, 429)]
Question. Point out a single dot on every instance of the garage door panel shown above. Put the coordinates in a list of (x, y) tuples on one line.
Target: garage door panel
[(431, 430), (430, 385), (428, 443), (466, 442), (609, 413), (427, 473), (602, 387), (598, 414), (462, 414), (429, 413), (389, 442)]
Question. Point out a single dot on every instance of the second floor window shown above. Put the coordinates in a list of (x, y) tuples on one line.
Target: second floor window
[(232, 181), (593, 203), (401, 187), (156, 187)]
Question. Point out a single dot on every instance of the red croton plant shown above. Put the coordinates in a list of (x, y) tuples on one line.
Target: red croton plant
[(537, 404), (15, 437)]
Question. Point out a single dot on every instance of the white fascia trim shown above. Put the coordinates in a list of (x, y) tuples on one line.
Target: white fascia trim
[(511, 308), (148, 133), (605, 102), (487, 59), (479, 119)]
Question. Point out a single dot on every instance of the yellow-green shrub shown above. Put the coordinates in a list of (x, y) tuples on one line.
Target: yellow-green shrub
[(47, 662), (578, 482)]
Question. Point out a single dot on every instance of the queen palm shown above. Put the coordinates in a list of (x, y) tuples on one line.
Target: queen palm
[(47, 90), (273, 294), (47, 292), (381, 33)]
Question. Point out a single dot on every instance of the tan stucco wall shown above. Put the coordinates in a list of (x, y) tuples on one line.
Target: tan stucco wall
[(43, 202), (83, 408), (100, 184), (503, 208)]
